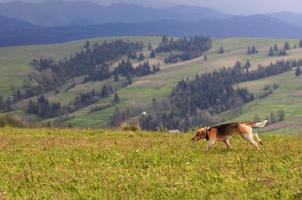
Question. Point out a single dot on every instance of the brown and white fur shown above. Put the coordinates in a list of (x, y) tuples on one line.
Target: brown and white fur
[(225, 131)]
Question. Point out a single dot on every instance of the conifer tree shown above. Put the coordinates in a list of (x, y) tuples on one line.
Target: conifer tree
[(286, 46), (298, 71), (116, 98), (205, 57), (221, 50), (271, 52)]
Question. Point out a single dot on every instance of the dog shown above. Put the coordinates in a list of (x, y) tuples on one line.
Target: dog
[(225, 131)]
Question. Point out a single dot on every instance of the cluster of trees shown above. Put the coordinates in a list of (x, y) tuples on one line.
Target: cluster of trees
[(2, 103), (101, 72), (121, 116), (270, 70), (210, 91), (241, 72), (6, 104), (145, 69), (190, 47), (92, 60), (268, 90), (273, 51), (274, 117), (125, 68), (300, 44), (195, 101), (163, 115), (251, 50), (85, 99), (152, 53), (279, 116), (45, 109), (198, 101)]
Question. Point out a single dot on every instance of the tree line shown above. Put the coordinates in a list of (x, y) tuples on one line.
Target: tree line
[(125, 68), (190, 47), (45, 109), (93, 60), (251, 50), (198, 101)]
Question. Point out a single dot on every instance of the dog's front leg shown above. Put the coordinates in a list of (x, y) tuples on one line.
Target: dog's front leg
[(211, 144), (227, 143)]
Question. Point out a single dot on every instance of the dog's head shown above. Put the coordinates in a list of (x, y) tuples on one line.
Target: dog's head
[(201, 134)]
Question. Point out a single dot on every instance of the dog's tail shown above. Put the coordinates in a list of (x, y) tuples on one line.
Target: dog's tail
[(257, 124)]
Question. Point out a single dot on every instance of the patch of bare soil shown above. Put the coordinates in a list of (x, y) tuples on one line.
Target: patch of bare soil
[(298, 94)]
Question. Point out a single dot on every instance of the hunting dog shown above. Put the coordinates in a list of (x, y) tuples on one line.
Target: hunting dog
[(225, 131)]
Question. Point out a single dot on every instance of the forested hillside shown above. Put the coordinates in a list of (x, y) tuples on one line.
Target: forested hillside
[(113, 63), (178, 82)]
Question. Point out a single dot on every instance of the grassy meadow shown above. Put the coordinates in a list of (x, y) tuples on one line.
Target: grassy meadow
[(103, 164)]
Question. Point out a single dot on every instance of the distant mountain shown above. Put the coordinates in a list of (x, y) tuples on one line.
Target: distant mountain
[(62, 13), (241, 26), (9, 24), (256, 26), (289, 17)]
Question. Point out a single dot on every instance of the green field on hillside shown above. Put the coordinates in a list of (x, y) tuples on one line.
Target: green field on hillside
[(15, 61), (288, 96), (160, 85), (100, 164), (14, 67)]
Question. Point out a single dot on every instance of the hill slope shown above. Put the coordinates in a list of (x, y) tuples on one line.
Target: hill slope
[(58, 13), (289, 17), (160, 85), (12, 24), (249, 26)]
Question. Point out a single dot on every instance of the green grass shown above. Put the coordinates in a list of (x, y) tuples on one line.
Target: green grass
[(100, 164)]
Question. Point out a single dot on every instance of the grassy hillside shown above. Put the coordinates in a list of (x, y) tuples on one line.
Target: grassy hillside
[(287, 97), (14, 61), (99, 164), (14, 66), (160, 85)]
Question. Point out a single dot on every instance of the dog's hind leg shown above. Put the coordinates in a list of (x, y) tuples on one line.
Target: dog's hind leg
[(247, 134), (257, 137), (249, 137)]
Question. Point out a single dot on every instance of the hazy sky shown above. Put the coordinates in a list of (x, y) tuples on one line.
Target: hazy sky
[(230, 6)]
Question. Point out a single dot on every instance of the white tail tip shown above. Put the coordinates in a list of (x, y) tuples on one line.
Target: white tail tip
[(261, 124)]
